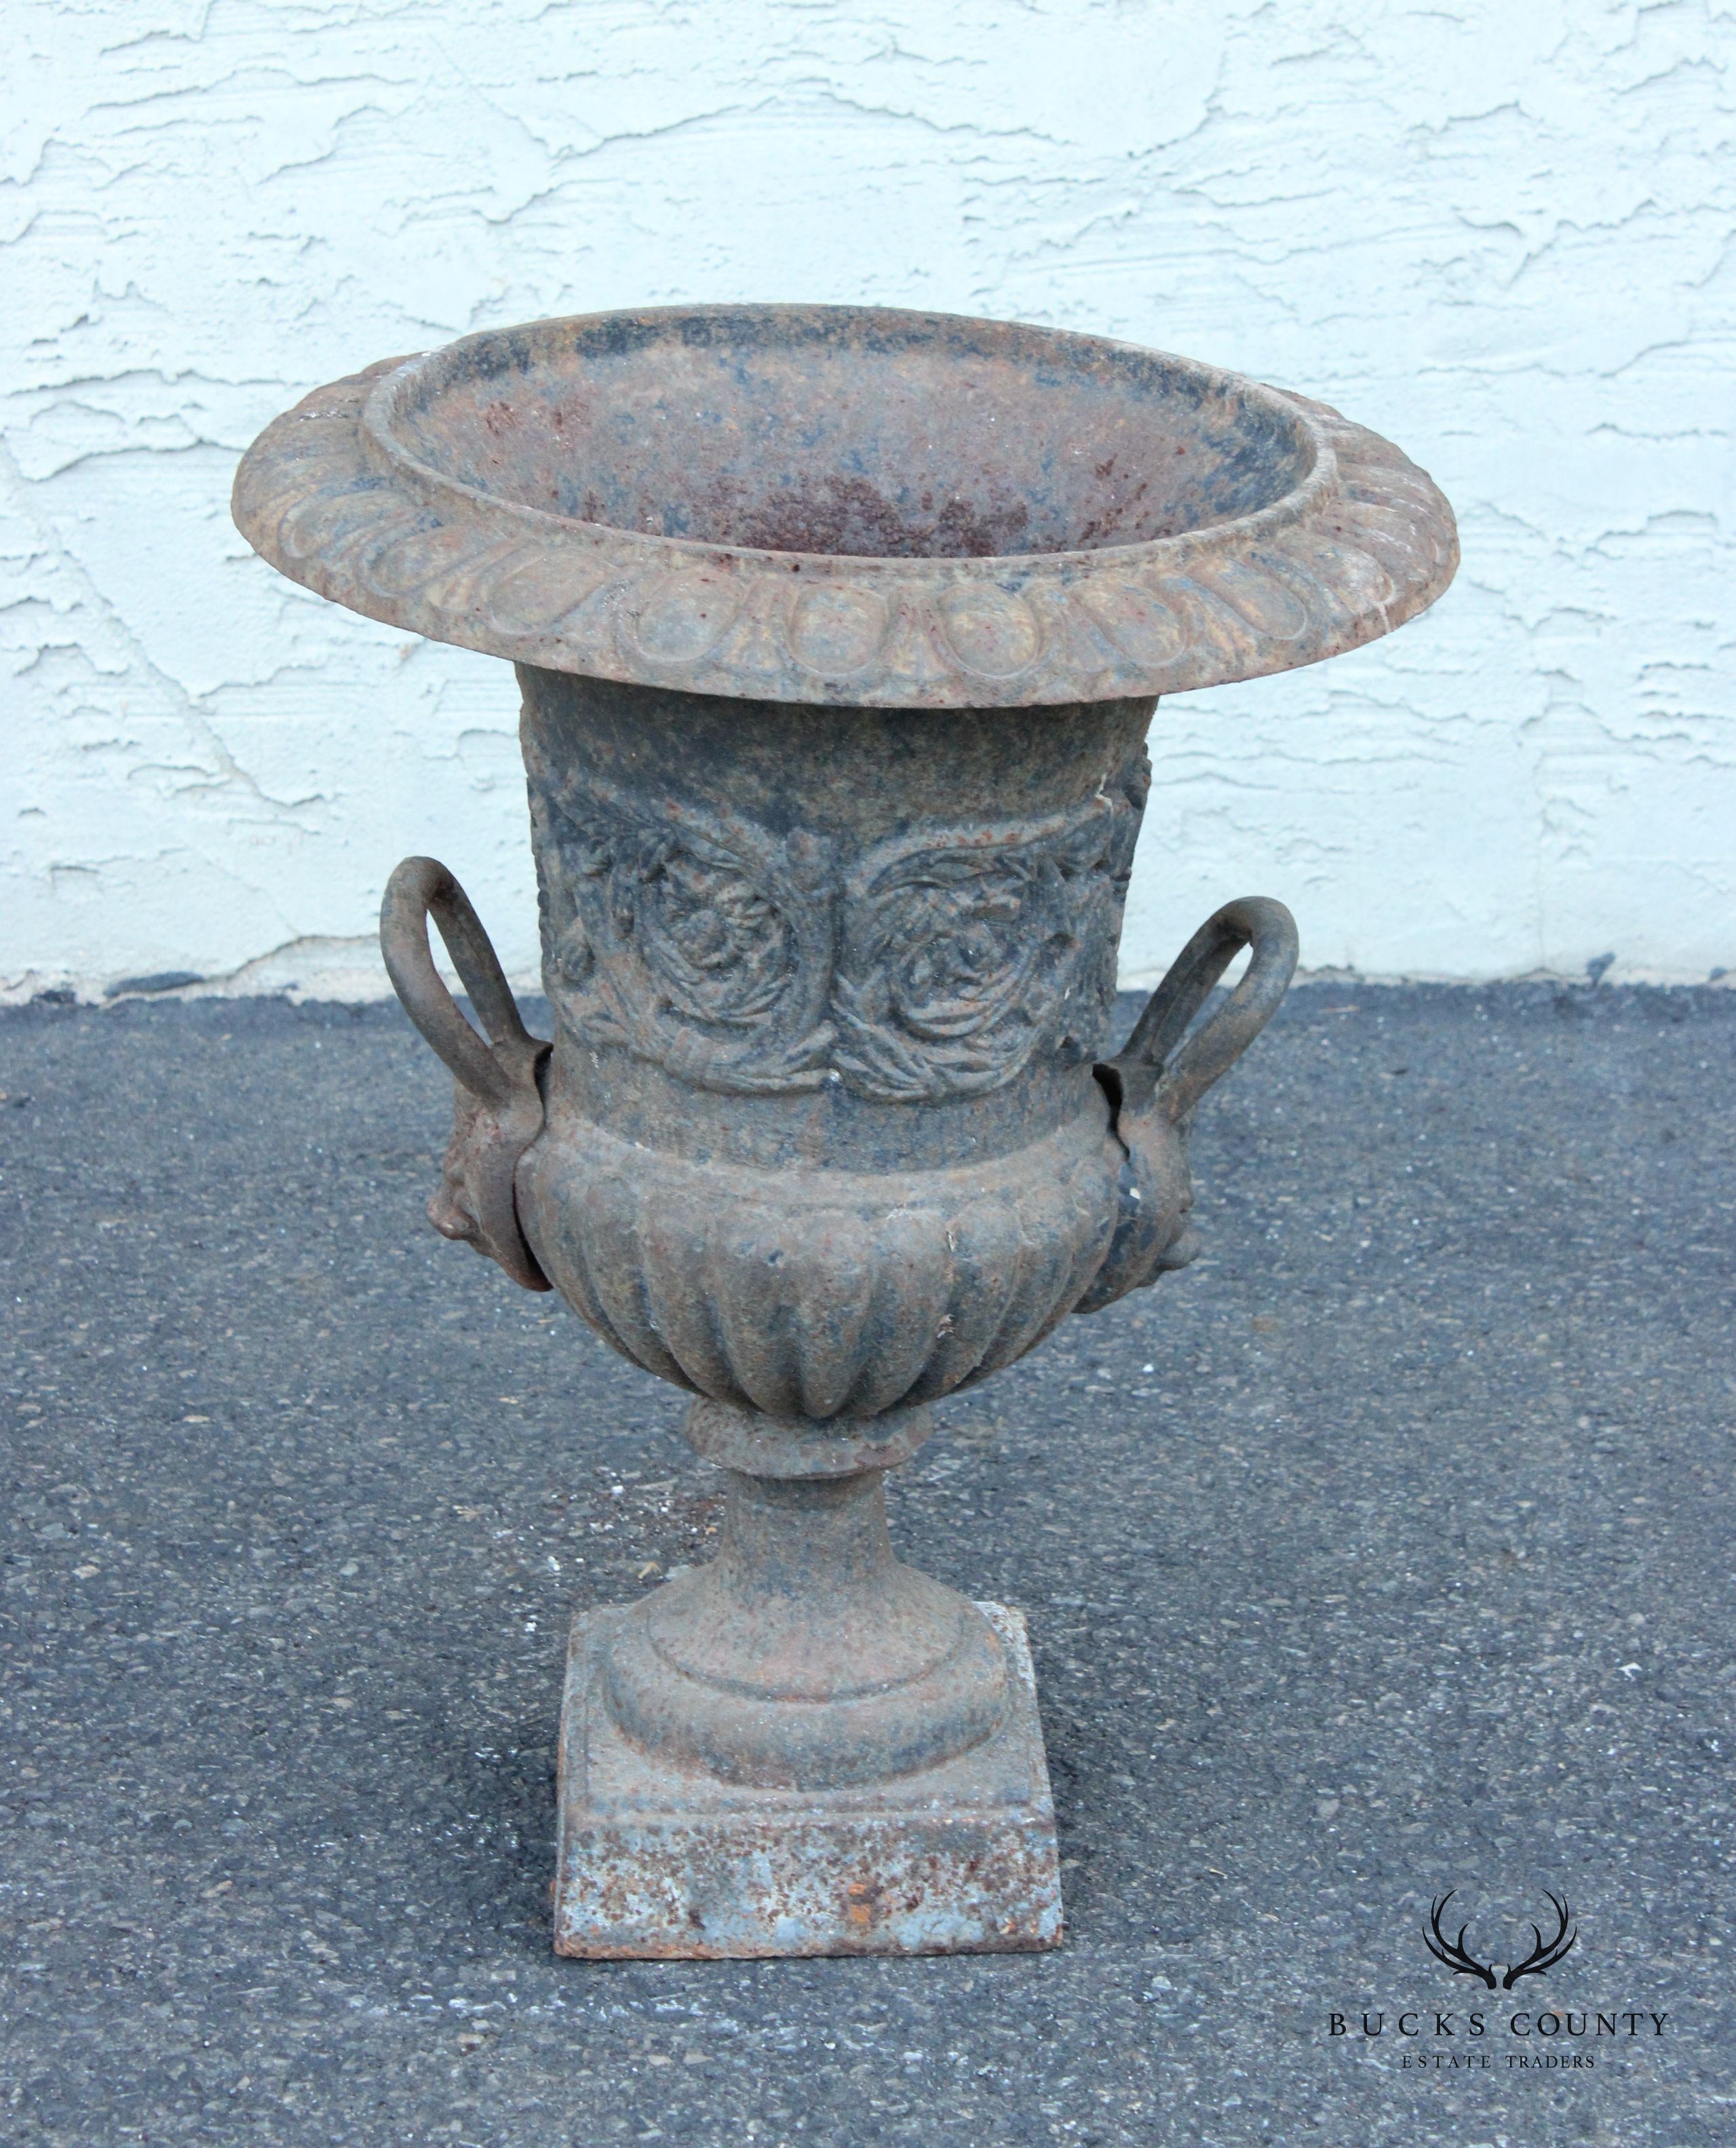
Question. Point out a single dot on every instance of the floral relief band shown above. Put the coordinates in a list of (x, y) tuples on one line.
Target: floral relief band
[(940, 963)]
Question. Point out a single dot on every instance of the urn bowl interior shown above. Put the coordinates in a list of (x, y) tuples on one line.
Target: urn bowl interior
[(845, 431)]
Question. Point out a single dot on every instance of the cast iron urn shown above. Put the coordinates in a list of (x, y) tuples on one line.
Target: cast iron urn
[(838, 633)]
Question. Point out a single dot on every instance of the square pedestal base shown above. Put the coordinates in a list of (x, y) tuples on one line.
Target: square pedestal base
[(653, 1863)]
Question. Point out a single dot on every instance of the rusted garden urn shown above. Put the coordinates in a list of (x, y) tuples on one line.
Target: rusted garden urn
[(838, 633)]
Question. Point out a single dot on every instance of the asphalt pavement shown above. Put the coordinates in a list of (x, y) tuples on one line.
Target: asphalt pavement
[(1385, 1552)]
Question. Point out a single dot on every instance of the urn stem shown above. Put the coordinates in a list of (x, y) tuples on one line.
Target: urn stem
[(799, 1536), (806, 1655)]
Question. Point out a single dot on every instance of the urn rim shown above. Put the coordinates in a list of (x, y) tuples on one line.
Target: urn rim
[(371, 491)]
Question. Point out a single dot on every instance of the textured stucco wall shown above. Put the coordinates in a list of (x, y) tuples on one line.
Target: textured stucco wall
[(1499, 230)]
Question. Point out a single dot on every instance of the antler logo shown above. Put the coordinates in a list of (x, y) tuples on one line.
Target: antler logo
[(1454, 1955)]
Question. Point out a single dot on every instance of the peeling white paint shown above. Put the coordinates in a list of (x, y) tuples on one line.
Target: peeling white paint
[(1499, 230)]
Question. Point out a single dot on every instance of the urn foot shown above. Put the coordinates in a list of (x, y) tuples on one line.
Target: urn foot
[(806, 1656), (658, 1862)]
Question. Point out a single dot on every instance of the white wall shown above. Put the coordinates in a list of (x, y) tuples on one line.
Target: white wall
[(1499, 230)]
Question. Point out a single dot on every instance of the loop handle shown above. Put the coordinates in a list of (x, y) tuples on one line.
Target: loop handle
[(498, 1109), (1152, 1073), (422, 888)]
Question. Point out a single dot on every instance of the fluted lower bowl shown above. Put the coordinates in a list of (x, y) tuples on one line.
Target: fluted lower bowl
[(820, 1294)]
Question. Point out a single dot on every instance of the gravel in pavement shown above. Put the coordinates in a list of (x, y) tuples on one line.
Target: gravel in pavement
[(1386, 1551)]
